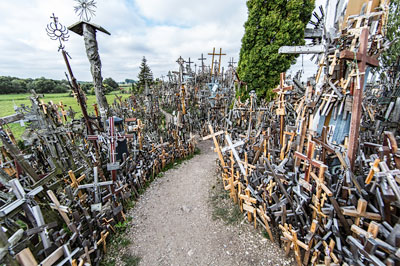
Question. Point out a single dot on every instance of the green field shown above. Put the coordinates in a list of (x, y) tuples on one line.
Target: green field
[(8, 101)]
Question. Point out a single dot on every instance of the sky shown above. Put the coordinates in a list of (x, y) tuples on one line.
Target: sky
[(160, 30)]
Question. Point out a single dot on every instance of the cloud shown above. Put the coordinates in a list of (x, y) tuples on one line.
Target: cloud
[(161, 30)]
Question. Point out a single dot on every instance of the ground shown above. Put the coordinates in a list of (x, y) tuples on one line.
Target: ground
[(178, 221)]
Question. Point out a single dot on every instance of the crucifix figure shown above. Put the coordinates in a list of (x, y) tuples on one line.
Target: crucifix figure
[(363, 60), (88, 31)]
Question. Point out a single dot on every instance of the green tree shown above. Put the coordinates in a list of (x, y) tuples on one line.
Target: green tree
[(270, 25), (145, 75), (391, 57), (112, 83)]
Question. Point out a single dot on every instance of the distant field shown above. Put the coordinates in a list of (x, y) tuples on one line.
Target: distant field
[(8, 101)]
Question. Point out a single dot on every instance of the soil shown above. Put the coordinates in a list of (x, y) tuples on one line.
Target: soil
[(186, 218)]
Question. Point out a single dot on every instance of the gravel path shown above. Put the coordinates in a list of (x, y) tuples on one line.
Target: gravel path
[(173, 223)]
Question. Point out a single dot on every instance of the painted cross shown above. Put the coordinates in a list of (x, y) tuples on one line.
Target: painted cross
[(113, 137), (22, 197), (231, 147), (96, 185), (282, 88), (218, 149)]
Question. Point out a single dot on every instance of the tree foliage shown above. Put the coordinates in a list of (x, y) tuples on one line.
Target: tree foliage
[(112, 83), (390, 58), (10, 85), (270, 25), (145, 75)]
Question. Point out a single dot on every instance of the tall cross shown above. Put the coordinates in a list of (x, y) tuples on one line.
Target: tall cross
[(212, 61), (363, 60), (112, 138), (281, 104), (189, 63), (202, 62), (231, 62)]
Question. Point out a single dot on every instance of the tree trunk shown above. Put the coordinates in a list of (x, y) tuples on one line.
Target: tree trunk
[(92, 51)]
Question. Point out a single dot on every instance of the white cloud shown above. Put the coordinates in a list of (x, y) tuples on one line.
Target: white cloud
[(161, 30)]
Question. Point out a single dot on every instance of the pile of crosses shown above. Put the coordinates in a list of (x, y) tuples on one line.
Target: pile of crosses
[(318, 167), (64, 192), (66, 185)]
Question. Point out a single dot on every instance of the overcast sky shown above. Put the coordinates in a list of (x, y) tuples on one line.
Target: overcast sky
[(161, 30)]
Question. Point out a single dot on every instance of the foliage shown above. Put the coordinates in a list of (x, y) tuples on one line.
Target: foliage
[(129, 81), (270, 25), (40, 85), (145, 75), (112, 83), (87, 86), (391, 57)]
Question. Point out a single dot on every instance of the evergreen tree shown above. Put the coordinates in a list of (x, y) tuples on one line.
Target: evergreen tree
[(270, 25), (391, 57), (145, 75)]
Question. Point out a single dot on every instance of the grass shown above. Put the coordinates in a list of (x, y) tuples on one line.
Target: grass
[(222, 207), (8, 101)]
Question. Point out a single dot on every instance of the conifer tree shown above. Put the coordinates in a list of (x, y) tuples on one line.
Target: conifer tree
[(145, 75), (270, 25)]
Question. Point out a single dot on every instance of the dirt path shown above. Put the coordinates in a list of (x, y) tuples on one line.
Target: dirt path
[(168, 117), (173, 223)]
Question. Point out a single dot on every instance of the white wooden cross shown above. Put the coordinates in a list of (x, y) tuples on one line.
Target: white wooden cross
[(95, 185), (231, 147), (19, 192)]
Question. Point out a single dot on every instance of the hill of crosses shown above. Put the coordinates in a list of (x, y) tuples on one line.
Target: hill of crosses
[(318, 166)]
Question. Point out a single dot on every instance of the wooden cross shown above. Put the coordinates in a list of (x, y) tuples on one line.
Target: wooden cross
[(361, 212), (281, 104), (231, 147), (22, 197), (290, 236), (63, 112), (113, 137), (96, 185), (75, 182), (363, 60), (212, 60), (311, 162), (246, 205), (103, 238), (389, 175), (202, 62), (63, 251), (63, 210), (218, 149)]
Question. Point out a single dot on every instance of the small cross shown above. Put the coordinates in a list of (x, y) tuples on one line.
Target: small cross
[(103, 237), (202, 62)]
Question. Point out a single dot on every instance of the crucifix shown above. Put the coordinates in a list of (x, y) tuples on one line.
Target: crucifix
[(281, 104), (212, 60), (231, 62), (202, 62), (363, 61), (189, 63)]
